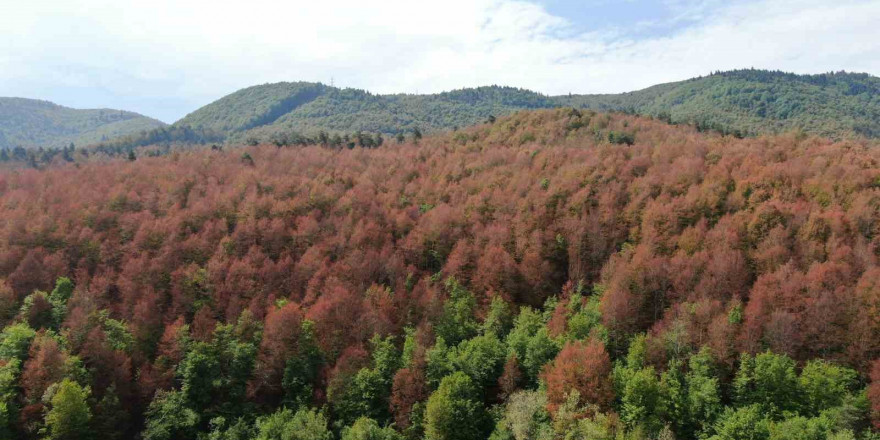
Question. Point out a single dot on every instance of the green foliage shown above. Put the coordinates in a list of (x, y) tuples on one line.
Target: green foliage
[(69, 414), (365, 428), (215, 374), (532, 344), (746, 423), (825, 385), (481, 358), (9, 372), (455, 412), (743, 102), (499, 319), (58, 298), (642, 403), (703, 392), (739, 102), (221, 430), (170, 418), (15, 340), (301, 371), (457, 321), (286, 425), (367, 393), (768, 380), (33, 123), (525, 417)]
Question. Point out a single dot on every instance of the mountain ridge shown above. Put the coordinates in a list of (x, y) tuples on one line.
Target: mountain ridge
[(32, 123), (742, 102)]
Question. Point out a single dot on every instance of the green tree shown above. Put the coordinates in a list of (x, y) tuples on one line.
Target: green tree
[(642, 403), (825, 385), (499, 319), (365, 428), (481, 358), (69, 414), (215, 373), (287, 425), (301, 371), (746, 423), (368, 392), (457, 321), (9, 372), (15, 341), (703, 392), (525, 417), (221, 430), (454, 411), (532, 344), (768, 380), (800, 428), (169, 418)]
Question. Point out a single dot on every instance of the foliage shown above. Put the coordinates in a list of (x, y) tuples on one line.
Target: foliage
[(454, 411), (32, 123), (708, 283)]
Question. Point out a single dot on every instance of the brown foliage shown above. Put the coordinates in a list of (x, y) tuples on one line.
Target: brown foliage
[(582, 366)]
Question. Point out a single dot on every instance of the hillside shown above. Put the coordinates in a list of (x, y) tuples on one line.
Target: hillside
[(556, 274), (32, 123), (758, 101), (743, 102)]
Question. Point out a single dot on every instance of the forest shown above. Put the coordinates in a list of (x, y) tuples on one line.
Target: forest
[(31, 123), (742, 103), (551, 274)]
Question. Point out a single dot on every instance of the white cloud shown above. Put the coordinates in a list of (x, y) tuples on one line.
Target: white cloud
[(167, 57)]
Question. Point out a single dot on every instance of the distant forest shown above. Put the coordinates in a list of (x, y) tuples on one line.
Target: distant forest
[(740, 103)]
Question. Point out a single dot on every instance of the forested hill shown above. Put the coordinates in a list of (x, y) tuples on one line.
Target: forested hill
[(556, 274), (758, 101), (744, 102), (33, 123)]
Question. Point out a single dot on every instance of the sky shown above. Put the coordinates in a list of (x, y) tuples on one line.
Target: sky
[(166, 58)]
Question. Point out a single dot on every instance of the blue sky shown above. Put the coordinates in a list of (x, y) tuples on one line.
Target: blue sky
[(165, 58)]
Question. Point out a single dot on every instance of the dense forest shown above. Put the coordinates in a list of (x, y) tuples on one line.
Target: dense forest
[(29, 123), (553, 274), (741, 103)]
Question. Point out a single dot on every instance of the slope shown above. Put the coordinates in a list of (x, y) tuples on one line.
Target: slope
[(35, 123)]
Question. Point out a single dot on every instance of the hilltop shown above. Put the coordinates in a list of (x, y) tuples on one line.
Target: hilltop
[(743, 102), (34, 123)]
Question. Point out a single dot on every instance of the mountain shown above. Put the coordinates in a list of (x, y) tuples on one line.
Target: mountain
[(758, 101), (263, 111), (35, 123), (745, 102)]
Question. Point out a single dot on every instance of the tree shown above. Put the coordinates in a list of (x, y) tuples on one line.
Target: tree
[(454, 411), (825, 385), (365, 428), (582, 366), (482, 359), (286, 425), (169, 418), (531, 343), (768, 380), (69, 415), (746, 423), (457, 322), (215, 373), (525, 417), (15, 341), (703, 392)]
